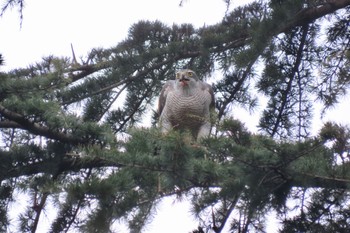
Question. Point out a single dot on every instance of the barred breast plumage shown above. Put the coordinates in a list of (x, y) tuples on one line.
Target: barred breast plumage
[(185, 103)]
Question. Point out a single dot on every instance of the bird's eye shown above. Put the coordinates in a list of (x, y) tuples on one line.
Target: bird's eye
[(177, 75), (190, 74)]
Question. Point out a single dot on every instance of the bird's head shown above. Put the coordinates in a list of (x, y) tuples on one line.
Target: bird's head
[(186, 78)]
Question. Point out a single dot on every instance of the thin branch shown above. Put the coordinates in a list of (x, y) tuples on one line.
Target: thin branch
[(38, 208), (131, 115), (78, 206), (11, 4), (227, 214), (238, 86), (111, 102), (291, 79)]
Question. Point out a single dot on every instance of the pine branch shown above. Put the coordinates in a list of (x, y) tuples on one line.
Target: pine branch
[(85, 70), (12, 3), (227, 214), (238, 86), (38, 208), (291, 77), (37, 129), (311, 14), (89, 69), (134, 111), (69, 212), (309, 180), (305, 16), (6, 124), (68, 163)]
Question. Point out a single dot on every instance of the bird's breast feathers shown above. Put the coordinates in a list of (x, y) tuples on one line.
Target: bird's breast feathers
[(188, 108)]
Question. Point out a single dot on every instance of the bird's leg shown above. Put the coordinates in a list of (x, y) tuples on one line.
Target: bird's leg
[(165, 126), (204, 131)]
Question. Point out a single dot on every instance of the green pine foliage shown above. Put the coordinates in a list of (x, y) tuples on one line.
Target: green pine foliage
[(71, 139)]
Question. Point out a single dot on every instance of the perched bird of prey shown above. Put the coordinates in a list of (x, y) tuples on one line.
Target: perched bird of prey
[(185, 104)]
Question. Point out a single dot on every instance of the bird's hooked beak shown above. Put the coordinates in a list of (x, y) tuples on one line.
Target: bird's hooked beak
[(183, 79)]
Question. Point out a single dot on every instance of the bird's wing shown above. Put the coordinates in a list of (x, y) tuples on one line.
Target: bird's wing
[(209, 89), (168, 87)]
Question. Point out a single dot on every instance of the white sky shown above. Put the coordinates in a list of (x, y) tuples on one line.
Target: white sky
[(50, 26)]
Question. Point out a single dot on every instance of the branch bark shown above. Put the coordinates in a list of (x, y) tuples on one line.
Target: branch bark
[(16, 119), (309, 180), (311, 14)]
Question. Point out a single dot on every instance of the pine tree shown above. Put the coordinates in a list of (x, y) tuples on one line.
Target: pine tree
[(70, 135)]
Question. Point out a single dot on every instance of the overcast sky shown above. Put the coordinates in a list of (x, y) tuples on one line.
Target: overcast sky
[(49, 27)]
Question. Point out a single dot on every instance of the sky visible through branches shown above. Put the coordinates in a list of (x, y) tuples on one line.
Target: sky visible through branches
[(50, 27)]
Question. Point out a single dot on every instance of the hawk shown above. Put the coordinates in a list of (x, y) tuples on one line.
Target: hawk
[(186, 104)]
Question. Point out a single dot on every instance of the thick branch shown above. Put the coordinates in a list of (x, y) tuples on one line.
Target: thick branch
[(309, 180), (311, 14), (35, 128), (9, 125), (66, 163)]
